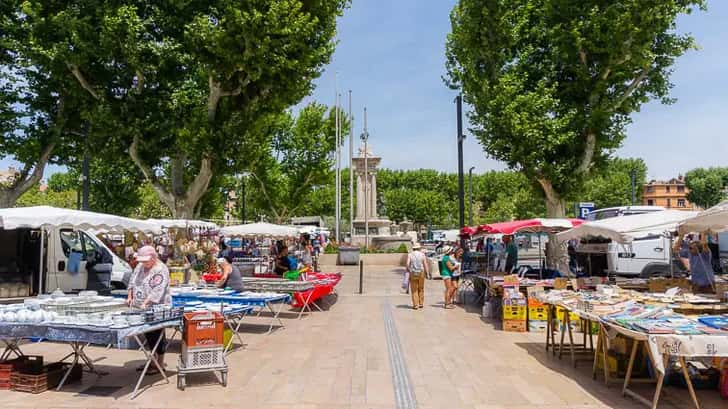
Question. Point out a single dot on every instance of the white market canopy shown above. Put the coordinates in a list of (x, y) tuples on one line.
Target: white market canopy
[(625, 229), (713, 220), (183, 224), (260, 230), (37, 217)]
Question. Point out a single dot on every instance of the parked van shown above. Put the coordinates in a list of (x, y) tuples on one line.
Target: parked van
[(71, 260), (644, 257), (610, 212), (649, 252)]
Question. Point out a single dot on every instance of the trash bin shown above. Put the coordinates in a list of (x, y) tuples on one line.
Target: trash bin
[(348, 256)]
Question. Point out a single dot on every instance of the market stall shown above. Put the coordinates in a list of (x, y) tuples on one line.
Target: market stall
[(83, 320), (653, 325)]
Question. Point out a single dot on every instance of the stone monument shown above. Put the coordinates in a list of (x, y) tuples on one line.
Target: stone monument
[(366, 205)]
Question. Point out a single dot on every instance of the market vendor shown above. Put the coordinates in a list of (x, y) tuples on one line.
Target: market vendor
[(283, 263), (701, 267), (231, 276), (149, 285)]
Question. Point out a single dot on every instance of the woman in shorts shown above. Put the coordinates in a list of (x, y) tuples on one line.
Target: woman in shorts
[(447, 266)]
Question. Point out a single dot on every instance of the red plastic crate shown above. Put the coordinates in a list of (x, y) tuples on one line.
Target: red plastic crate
[(203, 329)]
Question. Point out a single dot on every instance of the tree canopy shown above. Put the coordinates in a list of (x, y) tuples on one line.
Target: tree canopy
[(180, 85), (707, 187), (552, 83)]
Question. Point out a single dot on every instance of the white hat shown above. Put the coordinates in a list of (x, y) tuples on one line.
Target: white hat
[(446, 250), (221, 260), (416, 246)]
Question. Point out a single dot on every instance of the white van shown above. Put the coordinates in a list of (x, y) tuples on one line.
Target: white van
[(610, 212), (26, 271), (643, 257)]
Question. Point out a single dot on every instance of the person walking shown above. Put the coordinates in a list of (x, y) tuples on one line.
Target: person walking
[(417, 268), (457, 261), (499, 251)]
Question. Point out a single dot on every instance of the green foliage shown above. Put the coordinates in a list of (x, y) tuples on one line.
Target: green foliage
[(402, 249), (552, 83), (612, 185), (707, 187), (331, 249), (183, 85), (298, 162), (415, 205), (150, 207), (34, 197)]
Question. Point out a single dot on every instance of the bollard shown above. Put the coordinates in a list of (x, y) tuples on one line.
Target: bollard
[(361, 275)]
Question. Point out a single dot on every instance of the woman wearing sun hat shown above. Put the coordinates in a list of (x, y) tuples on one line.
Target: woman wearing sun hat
[(149, 285), (447, 266)]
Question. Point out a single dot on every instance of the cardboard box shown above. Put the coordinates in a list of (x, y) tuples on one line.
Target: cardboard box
[(514, 326)]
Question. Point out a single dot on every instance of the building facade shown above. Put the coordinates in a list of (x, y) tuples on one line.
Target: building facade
[(670, 194)]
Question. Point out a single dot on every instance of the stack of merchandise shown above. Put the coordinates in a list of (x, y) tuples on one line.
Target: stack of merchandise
[(515, 310), (537, 312)]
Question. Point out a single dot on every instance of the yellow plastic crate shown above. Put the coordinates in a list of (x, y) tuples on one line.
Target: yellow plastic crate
[(514, 313), (537, 313), (560, 315)]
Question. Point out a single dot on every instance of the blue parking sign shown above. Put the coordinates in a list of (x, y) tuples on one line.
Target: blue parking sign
[(583, 209)]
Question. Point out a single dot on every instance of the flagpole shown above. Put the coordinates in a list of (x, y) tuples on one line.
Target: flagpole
[(351, 172)]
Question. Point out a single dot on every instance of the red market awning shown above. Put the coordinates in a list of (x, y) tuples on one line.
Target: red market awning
[(529, 226)]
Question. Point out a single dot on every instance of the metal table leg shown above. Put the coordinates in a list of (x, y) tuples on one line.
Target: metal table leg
[(151, 358), (234, 324), (11, 347), (78, 353), (276, 315), (306, 305)]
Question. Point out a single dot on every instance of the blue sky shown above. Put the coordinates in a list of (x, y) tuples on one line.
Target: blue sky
[(391, 55)]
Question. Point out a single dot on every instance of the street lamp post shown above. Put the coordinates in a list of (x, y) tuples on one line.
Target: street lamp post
[(461, 190), (633, 181), (365, 138), (470, 192)]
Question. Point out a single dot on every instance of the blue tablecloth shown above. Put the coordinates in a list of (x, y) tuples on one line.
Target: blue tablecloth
[(232, 299), (82, 334)]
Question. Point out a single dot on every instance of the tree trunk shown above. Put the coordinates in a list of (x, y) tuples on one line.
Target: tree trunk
[(23, 182), (556, 209), (181, 201)]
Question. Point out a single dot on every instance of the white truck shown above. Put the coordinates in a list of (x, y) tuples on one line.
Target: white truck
[(34, 261)]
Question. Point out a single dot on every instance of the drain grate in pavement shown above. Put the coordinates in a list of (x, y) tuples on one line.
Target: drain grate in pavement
[(404, 395), (103, 391)]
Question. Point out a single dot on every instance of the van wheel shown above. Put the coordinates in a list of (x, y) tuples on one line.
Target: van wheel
[(655, 271)]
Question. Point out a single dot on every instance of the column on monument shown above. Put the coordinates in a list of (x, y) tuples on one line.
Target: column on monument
[(359, 196), (373, 196)]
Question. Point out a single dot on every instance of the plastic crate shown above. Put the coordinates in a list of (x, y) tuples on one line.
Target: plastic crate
[(514, 326), (202, 357), (516, 313), (537, 313), (537, 326), (49, 378), (203, 329)]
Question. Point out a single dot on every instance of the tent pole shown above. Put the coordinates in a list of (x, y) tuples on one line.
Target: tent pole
[(670, 259), (41, 264), (540, 262)]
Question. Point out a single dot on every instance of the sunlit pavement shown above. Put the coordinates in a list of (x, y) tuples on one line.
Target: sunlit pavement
[(344, 358)]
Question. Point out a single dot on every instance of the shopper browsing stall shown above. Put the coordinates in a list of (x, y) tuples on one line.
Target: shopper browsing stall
[(149, 285), (457, 261), (701, 267), (447, 267), (283, 262), (511, 253), (231, 276)]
